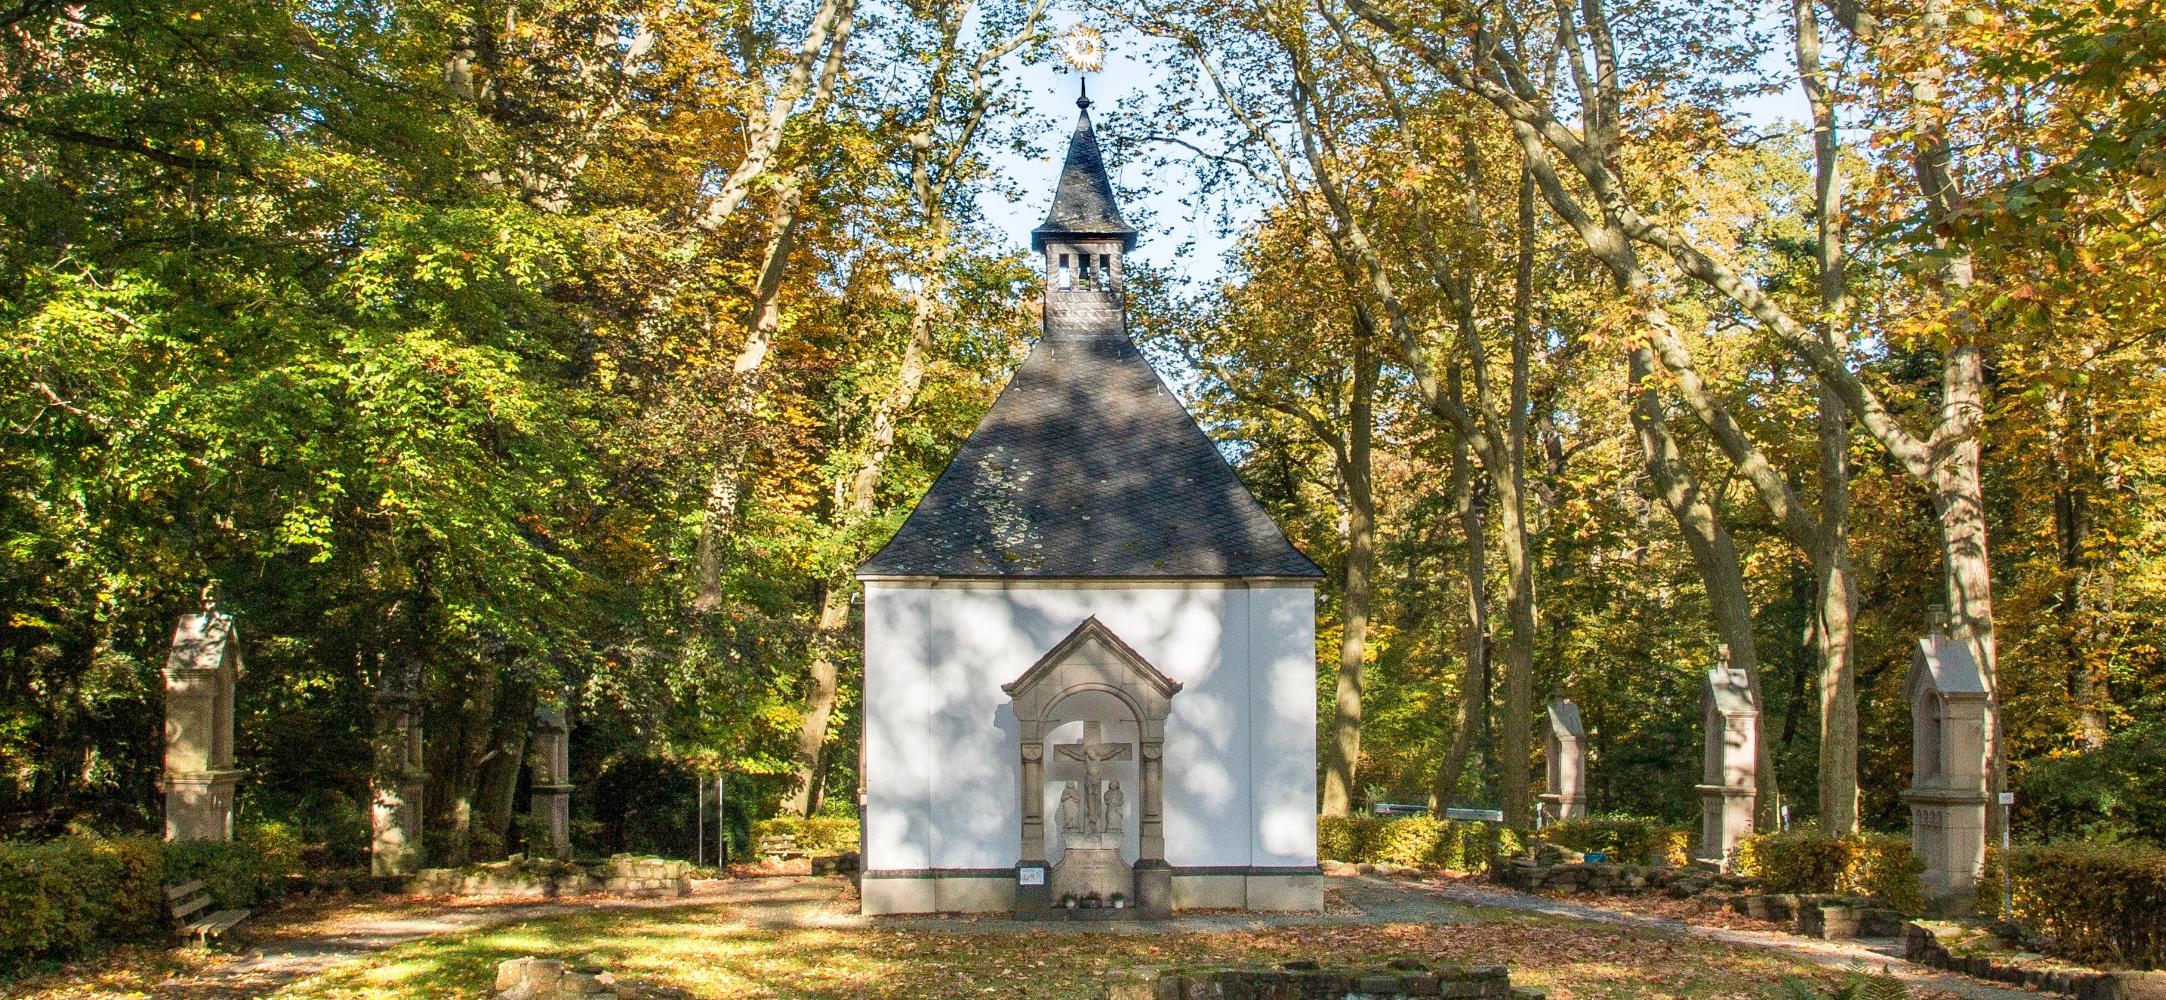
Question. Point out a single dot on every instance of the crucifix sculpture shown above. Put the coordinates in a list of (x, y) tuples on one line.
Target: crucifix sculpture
[(1094, 756)]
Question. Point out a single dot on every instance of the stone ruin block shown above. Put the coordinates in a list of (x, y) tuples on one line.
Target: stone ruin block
[(550, 979)]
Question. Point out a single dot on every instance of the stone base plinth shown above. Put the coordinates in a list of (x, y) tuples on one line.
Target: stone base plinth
[(1086, 872), (199, 805)]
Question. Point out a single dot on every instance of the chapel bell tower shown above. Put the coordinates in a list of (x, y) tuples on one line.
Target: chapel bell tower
[(1083, 240)]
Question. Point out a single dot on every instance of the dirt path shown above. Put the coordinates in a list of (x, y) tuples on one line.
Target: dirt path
[(284, 953), (1871, 954)]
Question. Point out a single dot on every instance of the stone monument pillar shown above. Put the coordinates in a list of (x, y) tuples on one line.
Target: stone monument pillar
[(552, 789), (1732, 727), (1947, 793), (1567, 753), (200, 672)]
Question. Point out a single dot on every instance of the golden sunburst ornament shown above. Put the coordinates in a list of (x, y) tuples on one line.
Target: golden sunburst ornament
[(1083, 49)]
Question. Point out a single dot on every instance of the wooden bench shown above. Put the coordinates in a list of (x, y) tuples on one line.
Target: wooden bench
[(187, 902), (780, 846)]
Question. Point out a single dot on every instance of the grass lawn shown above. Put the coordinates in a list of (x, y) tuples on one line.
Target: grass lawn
[(702, 953)]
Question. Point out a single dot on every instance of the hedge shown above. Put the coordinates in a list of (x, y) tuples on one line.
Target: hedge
[(1630, 839), (1865, 864), (2090, 902), (1413, 841), (61, 898), (818, 835)]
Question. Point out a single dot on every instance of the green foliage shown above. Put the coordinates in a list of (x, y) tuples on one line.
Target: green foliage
[(1629, 839), (818, 835), (246, 872), (1880, 866), (2090, 902), (2115, 793), (1414, 841), (61, 897)]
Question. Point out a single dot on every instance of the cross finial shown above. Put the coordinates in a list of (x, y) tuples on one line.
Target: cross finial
[(1083, 93)]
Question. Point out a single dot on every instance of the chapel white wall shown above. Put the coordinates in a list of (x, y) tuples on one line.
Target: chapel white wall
[(941, 740)]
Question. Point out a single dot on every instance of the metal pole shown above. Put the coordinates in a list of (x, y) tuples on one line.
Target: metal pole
[(722, 819), (2008, 861), (699, 821)]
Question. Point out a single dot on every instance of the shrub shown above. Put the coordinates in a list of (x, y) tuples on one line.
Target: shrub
[(818, 835), (1346, 838), (242, 873), (1413, 841), (59, 898), (1633, 839), (1805, 860), (2091, 902)]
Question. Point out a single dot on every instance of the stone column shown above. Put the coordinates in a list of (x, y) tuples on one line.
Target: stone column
[(1727, 796), (552, 789), (1154, 877), (1947, 796), (1567, 753), (200, 673), (1031, 897), (395, 808)]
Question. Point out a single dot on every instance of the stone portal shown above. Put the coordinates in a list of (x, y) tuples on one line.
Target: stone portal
[(1947, 793), (1093, 677), (200, 673), (1567, 753), (1727, 783)]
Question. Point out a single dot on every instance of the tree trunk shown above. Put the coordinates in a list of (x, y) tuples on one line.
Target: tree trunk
[(395, 773), (500, 772), (1516, 752), (1834, 625), (1344, 771), (820, 697), (858, 502), (1714, 555), (1473, 705)]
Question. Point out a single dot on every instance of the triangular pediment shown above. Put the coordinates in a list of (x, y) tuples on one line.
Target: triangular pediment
[(1088, 638)]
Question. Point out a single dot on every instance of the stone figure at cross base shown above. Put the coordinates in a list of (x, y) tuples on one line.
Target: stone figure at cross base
[(1115, 805), (1071, 810)]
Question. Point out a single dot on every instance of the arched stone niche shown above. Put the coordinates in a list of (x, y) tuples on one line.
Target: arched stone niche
[(1094, 678), (1947, 794)]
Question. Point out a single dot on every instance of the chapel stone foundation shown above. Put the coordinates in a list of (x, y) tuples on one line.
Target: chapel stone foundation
[(200, 777)]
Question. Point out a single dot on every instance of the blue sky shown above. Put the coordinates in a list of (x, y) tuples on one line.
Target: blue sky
[(1171, 224)]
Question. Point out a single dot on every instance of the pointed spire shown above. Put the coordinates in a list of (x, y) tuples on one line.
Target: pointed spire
[(1083, 204)]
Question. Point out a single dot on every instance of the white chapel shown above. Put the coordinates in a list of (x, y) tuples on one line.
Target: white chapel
[(1090, 655)]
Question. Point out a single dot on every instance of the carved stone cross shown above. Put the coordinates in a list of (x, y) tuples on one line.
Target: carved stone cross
[(1093, 755)]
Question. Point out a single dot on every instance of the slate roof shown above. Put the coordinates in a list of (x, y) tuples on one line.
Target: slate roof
[(1946, 662), (1083, 201), (1088, 466)]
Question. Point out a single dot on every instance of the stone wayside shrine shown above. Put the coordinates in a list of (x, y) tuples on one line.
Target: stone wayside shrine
[(1731, 723), (1947, 794), (1566, 748), (200, 776), (1090, 658)]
